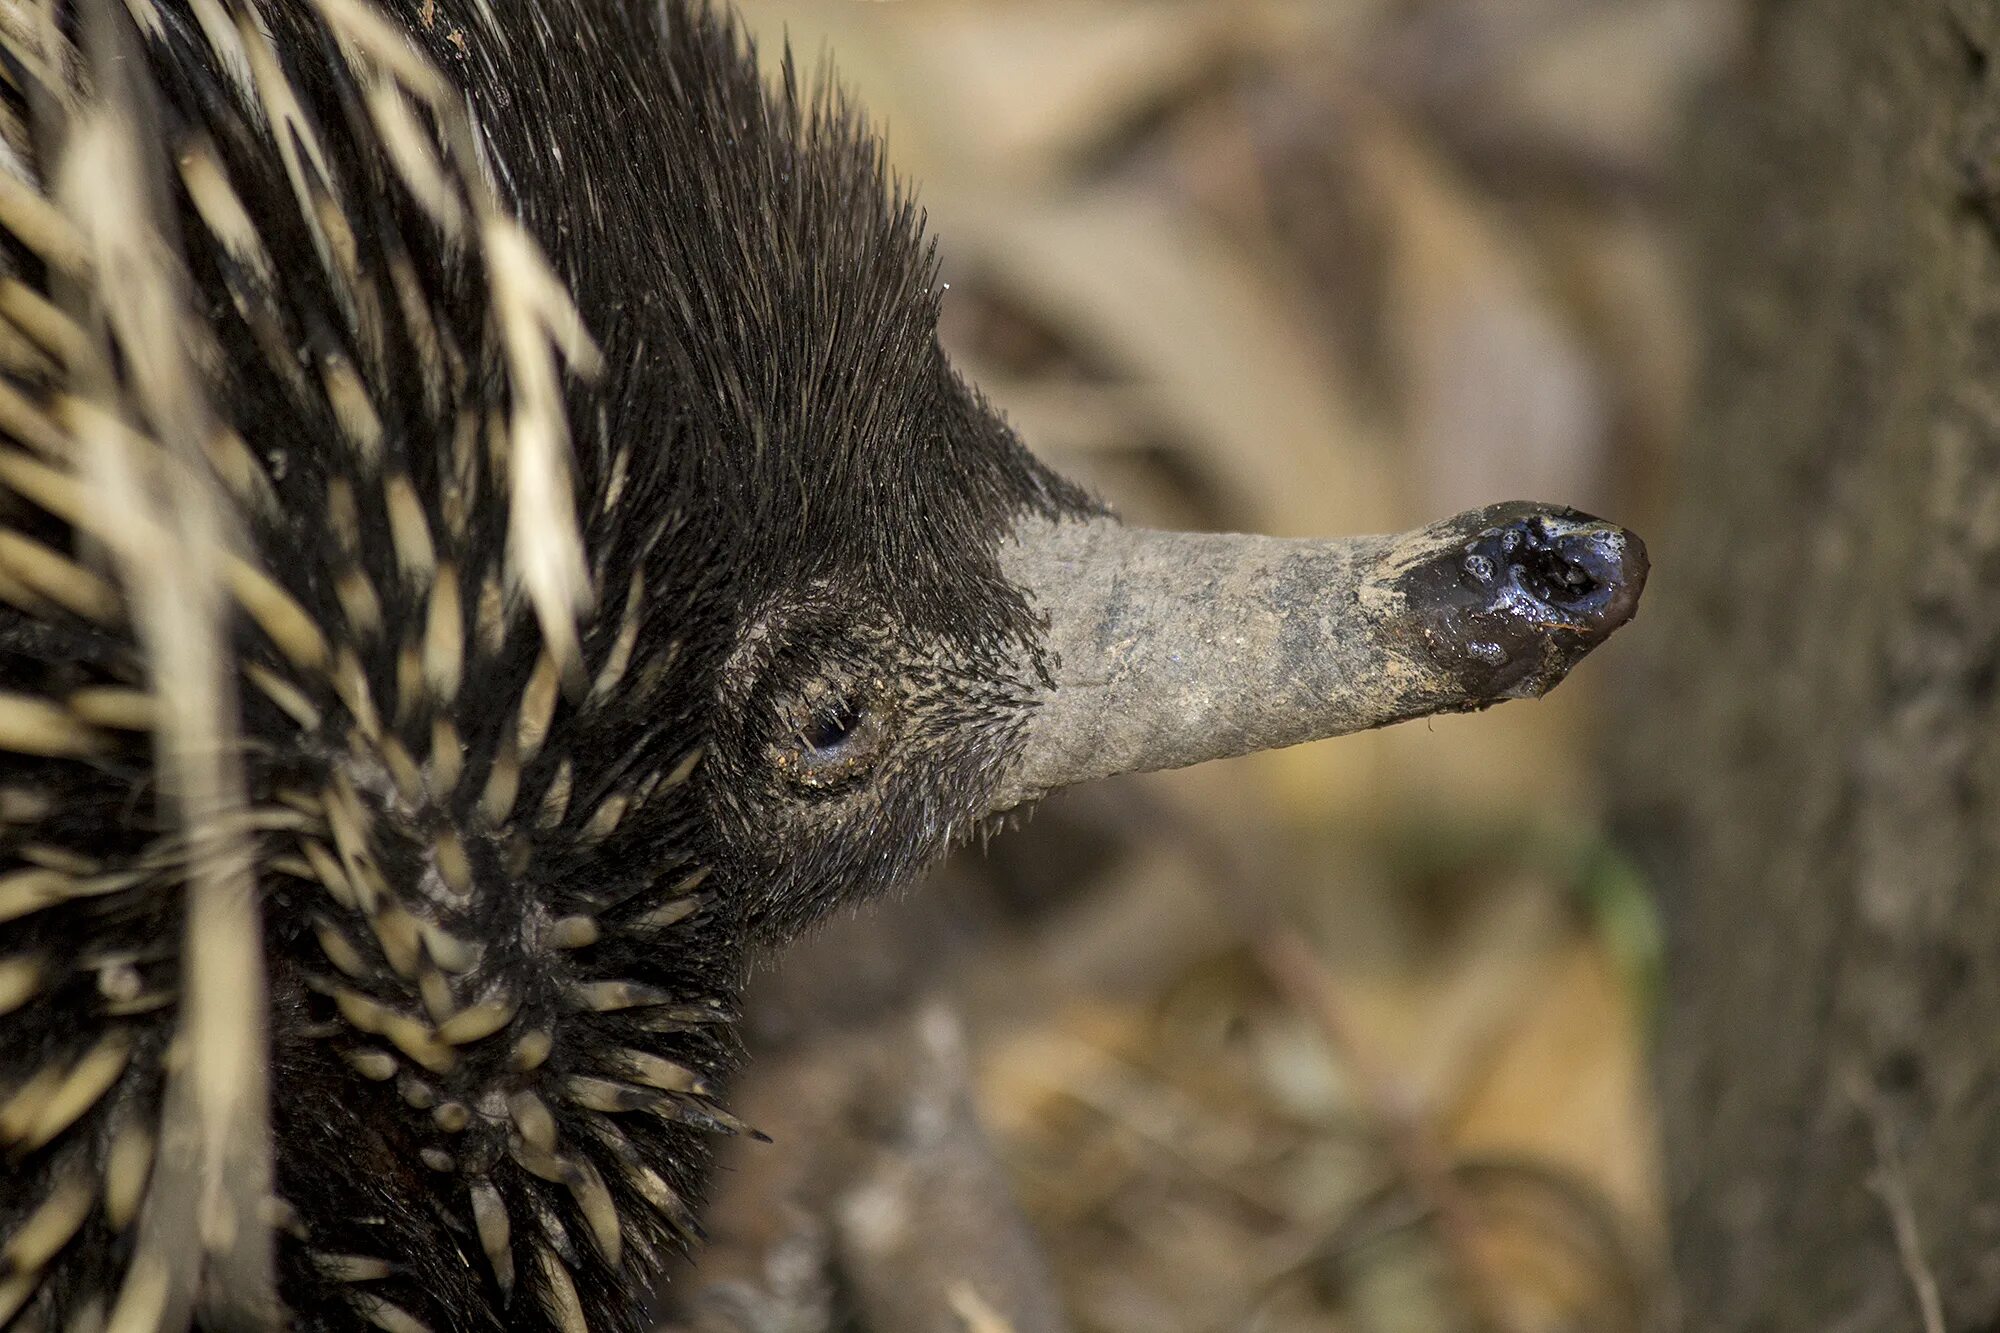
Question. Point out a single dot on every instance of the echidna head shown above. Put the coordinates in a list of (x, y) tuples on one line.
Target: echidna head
[(528, 705), (851, 656)]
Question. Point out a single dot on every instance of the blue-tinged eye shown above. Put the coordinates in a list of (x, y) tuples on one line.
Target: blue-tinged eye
[(832, 726), (834, 732)]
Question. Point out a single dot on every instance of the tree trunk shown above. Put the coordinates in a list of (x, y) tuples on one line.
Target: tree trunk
[(1814, 760)]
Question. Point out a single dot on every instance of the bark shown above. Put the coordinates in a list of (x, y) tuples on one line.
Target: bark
[(1814, 763)]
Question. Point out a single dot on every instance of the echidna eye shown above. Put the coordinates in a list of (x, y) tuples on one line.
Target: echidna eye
[(829, 728), (834, 731)]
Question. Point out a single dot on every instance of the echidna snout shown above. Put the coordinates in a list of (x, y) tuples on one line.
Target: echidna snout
[(488, 538)]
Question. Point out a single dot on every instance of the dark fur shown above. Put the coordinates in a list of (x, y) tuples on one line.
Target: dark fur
[(812, 496)]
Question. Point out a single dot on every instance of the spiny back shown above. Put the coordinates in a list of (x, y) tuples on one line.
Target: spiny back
[(421, 435)]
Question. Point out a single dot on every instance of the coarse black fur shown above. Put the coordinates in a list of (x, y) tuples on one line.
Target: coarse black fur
[(799, 678)]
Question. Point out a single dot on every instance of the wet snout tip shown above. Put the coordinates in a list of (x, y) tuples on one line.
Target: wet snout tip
[(1523, 593)]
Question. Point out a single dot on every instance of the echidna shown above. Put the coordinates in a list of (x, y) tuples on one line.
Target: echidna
[(488, 538)]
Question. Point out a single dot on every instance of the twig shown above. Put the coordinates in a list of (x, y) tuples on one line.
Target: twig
[(1300, 974), (1420, 1159), (1148, 1109), (977, 1315), (1889, 1182), (1312, 1246)]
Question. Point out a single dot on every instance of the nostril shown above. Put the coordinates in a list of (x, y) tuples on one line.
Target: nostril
[(1572, 570), (1552, 578)]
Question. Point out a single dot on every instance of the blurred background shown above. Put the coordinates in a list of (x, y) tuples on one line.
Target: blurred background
[(1350, 1037)]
